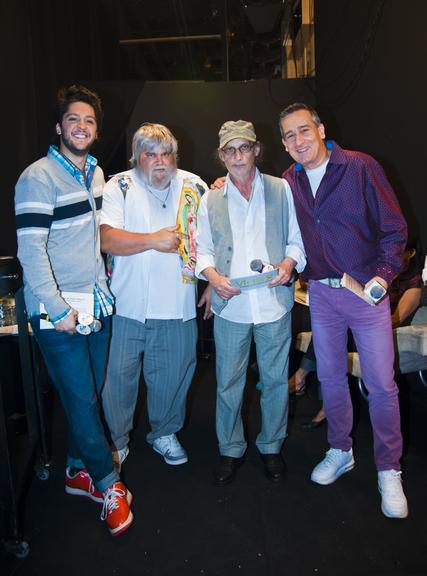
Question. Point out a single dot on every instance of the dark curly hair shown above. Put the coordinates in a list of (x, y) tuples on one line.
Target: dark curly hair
[(78, 93)]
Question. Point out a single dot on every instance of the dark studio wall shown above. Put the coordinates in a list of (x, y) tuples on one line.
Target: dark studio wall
[(195, 111), (44, 44), (372, 89)]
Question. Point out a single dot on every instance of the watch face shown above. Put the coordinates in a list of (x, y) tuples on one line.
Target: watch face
[(96, 326), (82, 329), (85, 319), (375, 291)]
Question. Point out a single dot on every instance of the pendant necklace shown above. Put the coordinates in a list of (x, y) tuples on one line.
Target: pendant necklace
[(162, 202)]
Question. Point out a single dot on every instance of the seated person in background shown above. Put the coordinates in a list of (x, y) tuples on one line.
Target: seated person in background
[(301, 323), (405, 290), (405, 299)]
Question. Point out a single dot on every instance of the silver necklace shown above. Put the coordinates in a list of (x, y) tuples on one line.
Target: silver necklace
[(162, 202)]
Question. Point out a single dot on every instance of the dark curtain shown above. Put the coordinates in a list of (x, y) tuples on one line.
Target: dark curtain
[(44, 44), (372, 89)]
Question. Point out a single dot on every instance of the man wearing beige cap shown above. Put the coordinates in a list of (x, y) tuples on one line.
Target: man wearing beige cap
[(250, 221)]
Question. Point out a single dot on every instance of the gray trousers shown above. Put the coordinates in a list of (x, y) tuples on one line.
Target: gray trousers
[(232, 343), (166, 350)]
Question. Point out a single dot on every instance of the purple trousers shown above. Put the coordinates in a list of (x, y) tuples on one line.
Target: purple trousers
[(333, 312)]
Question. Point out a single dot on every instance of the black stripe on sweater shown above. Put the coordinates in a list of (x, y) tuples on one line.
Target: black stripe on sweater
[(33, 220), (71, 210)]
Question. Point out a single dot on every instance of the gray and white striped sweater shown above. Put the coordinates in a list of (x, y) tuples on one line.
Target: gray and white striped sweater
[(58, 235)]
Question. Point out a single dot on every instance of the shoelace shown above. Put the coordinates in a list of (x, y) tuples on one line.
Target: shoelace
[(92, 488), (111, 501), (332, 456), (170, 443), (392, 481), (169, 448)]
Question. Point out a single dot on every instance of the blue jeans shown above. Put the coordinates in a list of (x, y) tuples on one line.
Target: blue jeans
[(232, 343), (76, 366)]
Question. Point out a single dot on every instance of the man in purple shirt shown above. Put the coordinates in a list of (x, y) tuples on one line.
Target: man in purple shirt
[(351, 223)]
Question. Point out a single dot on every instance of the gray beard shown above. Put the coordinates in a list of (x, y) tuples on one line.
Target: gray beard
[(158, 184)]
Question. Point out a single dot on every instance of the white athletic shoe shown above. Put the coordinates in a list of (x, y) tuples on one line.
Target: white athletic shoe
[(119, 456), (170, 449), (393, 500), (335, 463)]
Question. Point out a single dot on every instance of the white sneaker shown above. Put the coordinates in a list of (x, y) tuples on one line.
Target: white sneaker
[(170, 449), (335, 463), (393, 500), (119, 456)]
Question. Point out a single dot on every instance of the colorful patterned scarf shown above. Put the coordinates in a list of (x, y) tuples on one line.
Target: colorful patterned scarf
[(186, 221)]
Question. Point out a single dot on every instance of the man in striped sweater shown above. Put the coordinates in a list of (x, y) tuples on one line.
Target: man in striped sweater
[(57, 205)]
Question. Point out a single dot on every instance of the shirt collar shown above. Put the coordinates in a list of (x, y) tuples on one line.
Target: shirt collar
[(89, 168), (229, 182), (337, 155)]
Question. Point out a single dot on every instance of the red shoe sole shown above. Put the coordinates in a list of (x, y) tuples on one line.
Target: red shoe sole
[(117, 531)]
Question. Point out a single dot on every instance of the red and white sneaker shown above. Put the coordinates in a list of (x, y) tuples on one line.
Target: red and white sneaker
[(116, 509), (82, 485)]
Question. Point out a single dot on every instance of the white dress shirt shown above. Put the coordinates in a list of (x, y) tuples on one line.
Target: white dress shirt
[(148, 284), (247, 220)]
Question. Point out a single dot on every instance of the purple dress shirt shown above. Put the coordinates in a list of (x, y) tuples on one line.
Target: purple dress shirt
[(354, 224)]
